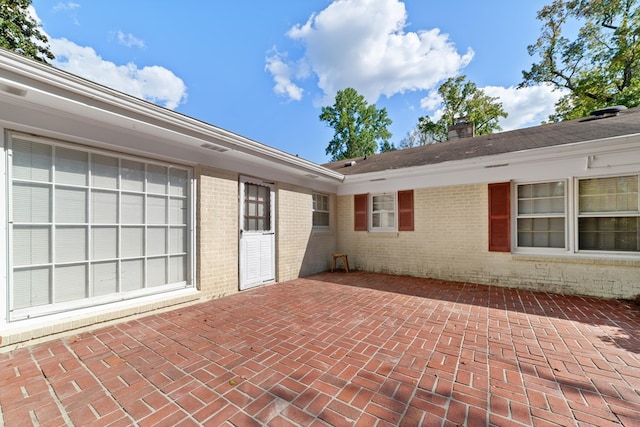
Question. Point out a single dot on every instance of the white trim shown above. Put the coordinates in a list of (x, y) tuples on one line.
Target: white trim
[(18, 315), (515, 210), (371, 212), (618, 154), (328, 212), (46, 86), (4, 233), (571, 224)]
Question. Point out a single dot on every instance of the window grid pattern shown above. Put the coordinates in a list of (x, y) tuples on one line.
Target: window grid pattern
[(383, 212), (609, 213), (320, 210), (88, 224), (257, 208), (541, 221)]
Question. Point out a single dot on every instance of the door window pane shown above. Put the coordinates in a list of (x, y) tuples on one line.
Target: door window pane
[(257, 215)]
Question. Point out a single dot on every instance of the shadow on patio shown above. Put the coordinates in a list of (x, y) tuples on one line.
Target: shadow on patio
[(342, 349)]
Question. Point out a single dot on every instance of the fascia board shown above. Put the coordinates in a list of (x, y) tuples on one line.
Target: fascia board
[(487, 168), (88, 93)]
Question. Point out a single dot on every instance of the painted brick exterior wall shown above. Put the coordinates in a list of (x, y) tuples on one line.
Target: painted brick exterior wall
[(450, 242), (300, 250), (217, 235)]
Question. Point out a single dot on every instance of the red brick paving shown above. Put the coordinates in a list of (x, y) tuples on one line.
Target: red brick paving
[(342, 349)]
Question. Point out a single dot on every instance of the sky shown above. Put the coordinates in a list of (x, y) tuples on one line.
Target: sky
[(264, 69)]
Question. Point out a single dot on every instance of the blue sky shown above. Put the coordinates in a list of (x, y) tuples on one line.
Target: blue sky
[(264, 69)]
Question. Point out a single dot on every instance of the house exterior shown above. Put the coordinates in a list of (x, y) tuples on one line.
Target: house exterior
[(114, 206), (551, 208)]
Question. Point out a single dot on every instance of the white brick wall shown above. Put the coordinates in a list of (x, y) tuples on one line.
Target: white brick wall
[(300, 249), (217, 235), (450, 242)]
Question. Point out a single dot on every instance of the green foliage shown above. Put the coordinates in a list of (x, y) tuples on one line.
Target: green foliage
[(599, 66), (460, 98), (358, 127), (20, 33)]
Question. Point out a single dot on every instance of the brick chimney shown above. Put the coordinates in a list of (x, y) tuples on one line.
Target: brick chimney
[(462, 128)]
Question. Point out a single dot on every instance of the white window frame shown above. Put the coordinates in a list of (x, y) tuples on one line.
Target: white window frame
[(314, 209), (394, 211), (611, 214), (518, 216), (16, 314), (572, 215)]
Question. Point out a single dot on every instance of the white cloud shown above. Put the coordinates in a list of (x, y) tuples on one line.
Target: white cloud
[(65, 6), (153, 83), (362, 44), (129, 40), (528, 106), (282, 73)]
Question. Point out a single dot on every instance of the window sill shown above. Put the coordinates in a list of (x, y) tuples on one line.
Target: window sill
[(581, 258), (384, 234)]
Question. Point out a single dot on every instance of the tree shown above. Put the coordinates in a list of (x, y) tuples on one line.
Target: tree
[(460, 98), (20, 33), (358, 126), (599, 66)]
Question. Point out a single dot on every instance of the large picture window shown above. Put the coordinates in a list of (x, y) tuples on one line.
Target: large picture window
[(609, 214), (541, 221), (594, 214), (88, 225)]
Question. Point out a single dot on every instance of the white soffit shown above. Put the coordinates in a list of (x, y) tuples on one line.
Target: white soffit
[(39, 86), (588, 158)]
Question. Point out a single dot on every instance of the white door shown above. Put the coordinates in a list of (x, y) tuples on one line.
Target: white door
[(257, 233)]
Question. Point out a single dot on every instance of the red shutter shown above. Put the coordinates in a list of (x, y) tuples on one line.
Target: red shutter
[(360, 212), (405, 210), (499, 217)]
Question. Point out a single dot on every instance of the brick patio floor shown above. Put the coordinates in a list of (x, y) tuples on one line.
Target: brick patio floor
[(342, 349)]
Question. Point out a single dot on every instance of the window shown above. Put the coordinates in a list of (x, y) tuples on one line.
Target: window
[(609, 214), (541, 221), (90, 225), (592, 214), (383, 212), (257, 212), (320, 210)]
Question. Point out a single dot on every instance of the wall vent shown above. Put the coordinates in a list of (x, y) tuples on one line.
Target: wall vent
[(214, 147)]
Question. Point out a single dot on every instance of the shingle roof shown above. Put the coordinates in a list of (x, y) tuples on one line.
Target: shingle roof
[(627, 122)]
